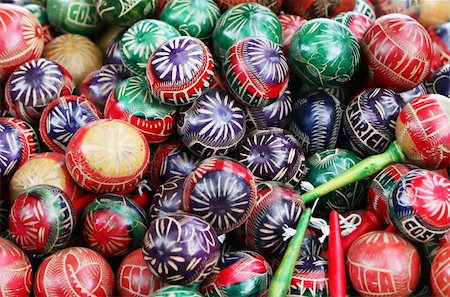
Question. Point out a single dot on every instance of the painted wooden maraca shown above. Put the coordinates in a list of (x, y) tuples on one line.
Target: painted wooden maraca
[(124, 14), (440, 272), (420, 117), (63, 117), (357, 23), (112, 51), (242, 273), (310, 277), (25, 38), (180, 248), (222, 191), (133, 277), (256, 71), (132, 101), (439, 82), (176, 291), (43, 219), (107, 156), (18, 142), (168, 198), (16, 277), (73, 271), (34, 85), (383, 263), (290, 24), (180, 70), (113, 225)]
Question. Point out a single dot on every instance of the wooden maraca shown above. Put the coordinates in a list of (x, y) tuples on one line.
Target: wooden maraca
[(422, 135)]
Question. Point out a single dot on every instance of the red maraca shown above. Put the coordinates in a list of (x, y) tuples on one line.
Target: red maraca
[(16, 273), (74, 271), (440, 272)]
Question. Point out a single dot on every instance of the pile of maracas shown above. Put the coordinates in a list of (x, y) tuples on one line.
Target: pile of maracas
[(224, 148)]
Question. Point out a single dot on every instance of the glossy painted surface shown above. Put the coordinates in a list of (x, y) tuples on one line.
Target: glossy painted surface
[(439, 82), (317, 8), (383, 263), (222, 191), (440, 272), (310, 277), (74, 270), (290, 23), (125, 12), (357, 23), (168, 198), (324, 52), (180, 248), (176, 291)]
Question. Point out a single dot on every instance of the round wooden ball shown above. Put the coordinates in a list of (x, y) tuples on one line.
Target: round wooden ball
[(78, 54), (242, 273), (140, 41), (423, 131), (33, 86), (125, 13), (244, 20), (278, 208), (17, 274), (43, 169), (440, 272), (98, 84), (196, 18), (222, 191), (272, 154), (133, 277), (213, 125), (76, 269), (418, 203), (42, 220), (439, 82), (176, 291), (180, 249), (168, 198), (79, 17), (131, 101), (180, 70), (310, 277), (326, 165), (276, 114), (383, 263), (256, 71), (324, 52), (381, 187), (18, 143), (369, 121), (398, 52), (108, 156), (317, 8), (290, 24), (24, 36), (62, 118), (316, 120), (357, 23), (114, 225)]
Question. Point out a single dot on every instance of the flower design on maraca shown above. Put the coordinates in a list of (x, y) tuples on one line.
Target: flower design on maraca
[(168, 198), (213, 125), (17, 274), (62, 118), (242, 273), (42, 220), (419, 205), (18, 142), (73, 271), (107, 156), (222, 191), (114, 225), (272, 154), (179, 70), (256, 71), (180, 248)]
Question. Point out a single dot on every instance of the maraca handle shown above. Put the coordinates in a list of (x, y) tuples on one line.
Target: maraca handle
[(336, 262), (360, 171), (281, 280)]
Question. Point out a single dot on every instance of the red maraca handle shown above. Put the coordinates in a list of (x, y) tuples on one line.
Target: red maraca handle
[(370, 222), (336, 262)]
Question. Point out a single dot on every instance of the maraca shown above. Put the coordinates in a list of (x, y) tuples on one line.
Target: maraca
[(423, 135)]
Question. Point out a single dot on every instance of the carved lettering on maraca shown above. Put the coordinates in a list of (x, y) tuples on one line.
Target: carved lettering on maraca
[(418, 232), (82, 14), (379, 278)]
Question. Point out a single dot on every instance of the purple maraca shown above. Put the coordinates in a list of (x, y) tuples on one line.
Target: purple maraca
[(97, 86), (439, 82), (180, 248), (213, 125), (112, 53), (316, 120), (168, 198), (370, 119), (272, 154)]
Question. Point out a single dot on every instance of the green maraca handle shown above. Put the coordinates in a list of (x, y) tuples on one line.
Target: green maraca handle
[(362, 170), (281, 280)]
